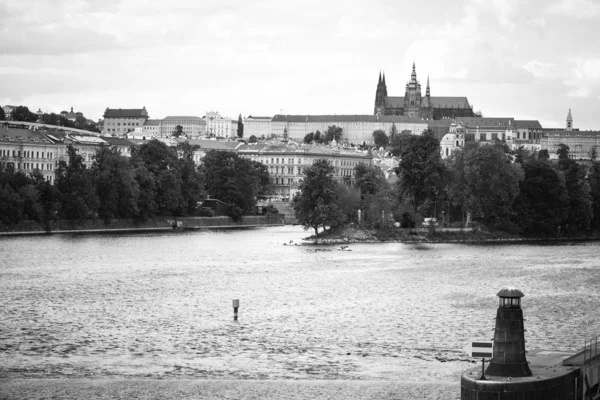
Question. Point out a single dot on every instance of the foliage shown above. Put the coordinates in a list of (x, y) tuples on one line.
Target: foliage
[(240, 127), (580, 210), (22, 113), (2, 114), (333, 132), (11, 205), (399, 141), (542, 203), (380, 138), (421, 170), (59, 120), (235, 180), (485, 181), (317, 204), (252, 139), (594, 183), (178, 132), (543, 155)]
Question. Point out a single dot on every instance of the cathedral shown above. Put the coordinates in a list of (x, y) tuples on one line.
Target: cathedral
[(415, 105)]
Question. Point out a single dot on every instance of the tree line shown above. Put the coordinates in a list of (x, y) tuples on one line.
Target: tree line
[(518, 191), (22, 113), (156, 180)]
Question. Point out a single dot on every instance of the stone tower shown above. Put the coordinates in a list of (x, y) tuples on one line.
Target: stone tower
[(569, 121), (412, 96), (380, 95), (426, 103), (509, 358)]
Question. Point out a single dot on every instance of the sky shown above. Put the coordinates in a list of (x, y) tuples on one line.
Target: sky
[(510, 58)]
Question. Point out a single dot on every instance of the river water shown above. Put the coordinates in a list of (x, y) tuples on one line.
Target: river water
[(160, 305)]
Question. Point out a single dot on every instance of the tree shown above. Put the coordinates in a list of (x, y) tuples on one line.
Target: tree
[(178, 132), (393, 130), (22, 113), (594, 182), (252, 139), (421, 170), (486, 182), (240, 127), (380, 138), (76, 185), (542, 203), (543, 155), (317, 203), (310, 137), (580, 212), (563, 156), (333, 132), (11, 205), (593, 153), (399, 141), (2, 114)]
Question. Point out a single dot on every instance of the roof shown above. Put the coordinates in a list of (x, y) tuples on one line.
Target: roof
[(212, 144), (126, 113), (436, 102), (251, 117), (571, 133), (289, 149), (345, 118), (510, 292), (182, 118), (485, 122), (527, 124), (113, 141), (16, 135), (152, 122)]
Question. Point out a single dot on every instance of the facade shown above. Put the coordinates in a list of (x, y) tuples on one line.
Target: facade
[(219, 126), (580, 143), (203, 146), (8, 111), (286, 163), (453, 140), (356, 129), (71, 115), (123, 145), (117, 121), (27, 150), (192, 126), (479, 129), (527, 132), (415, 105), (151, 128), (86, 146), (257, 126)]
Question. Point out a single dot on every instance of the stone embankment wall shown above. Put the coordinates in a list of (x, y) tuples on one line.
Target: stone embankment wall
[(131, 225)]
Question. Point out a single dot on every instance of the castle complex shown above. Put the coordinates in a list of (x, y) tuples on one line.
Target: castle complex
[(414, 105)]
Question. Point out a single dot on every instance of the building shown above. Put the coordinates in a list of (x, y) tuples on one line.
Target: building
[(414, 105), (257, 126), (122, 145), (117, 121), (27, 149), (71, 115), (203, 146), (580, 143), (86, 146), (286, 163), (480, 129), (454, 139), (356, 129), (527, 132), (191, 126), (219, 126), (8, 111)]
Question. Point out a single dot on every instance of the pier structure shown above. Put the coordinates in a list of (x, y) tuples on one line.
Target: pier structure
[(515, 374)]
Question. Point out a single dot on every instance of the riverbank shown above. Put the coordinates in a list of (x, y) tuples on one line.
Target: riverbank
[(156, 224), (223, 389), (354, 234)]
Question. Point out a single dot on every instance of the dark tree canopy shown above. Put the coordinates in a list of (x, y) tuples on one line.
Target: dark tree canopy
[(380, 138), (240, 127), (178, 132), (22, 113), (318, 204)]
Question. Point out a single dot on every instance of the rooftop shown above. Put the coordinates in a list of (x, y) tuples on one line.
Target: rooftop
[(126, 113), (345, 118)]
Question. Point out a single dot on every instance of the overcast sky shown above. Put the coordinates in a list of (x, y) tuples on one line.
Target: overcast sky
[(510, 58)]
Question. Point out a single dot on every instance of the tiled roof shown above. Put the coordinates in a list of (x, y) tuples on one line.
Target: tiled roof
[(344, 118), (212, 144), (485, 122), (113, 141), (572, 133), (319, 150), (436, 102), (181, 118), (126, 113), (527, 124), (22, 135), (394, 101), (152, 122), (254, 117)]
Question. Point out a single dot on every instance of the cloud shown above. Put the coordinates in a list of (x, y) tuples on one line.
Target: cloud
[(541, 70), (584, 80), (579, 9)]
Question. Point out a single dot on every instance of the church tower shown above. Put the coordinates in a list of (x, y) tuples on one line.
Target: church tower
[(412, 97), (426, 103), (380, 96), (569, 121)]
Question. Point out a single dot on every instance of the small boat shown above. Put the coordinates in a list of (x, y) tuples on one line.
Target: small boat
[(344, 248)]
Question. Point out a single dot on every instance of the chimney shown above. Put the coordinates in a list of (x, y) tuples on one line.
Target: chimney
[(509, 338)]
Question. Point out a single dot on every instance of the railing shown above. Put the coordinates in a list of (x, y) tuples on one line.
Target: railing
[(591, 350)]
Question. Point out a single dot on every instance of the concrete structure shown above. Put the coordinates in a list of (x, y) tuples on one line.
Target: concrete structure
[(192, 126), (414, 105), (27, 149), (257, 126), (580, 143), (219, 126), (481, 129), (513, 375), (150, 129), (286, 163), (117, 121), (356, 129)]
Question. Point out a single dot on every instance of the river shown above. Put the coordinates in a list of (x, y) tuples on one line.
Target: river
[(160, 305)]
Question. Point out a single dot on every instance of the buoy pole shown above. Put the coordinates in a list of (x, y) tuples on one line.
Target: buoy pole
[(236, 305)]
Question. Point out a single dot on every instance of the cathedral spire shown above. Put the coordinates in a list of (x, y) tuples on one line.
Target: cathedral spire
[(427, 89), (569, 121), (413, 75), (379, 82)]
